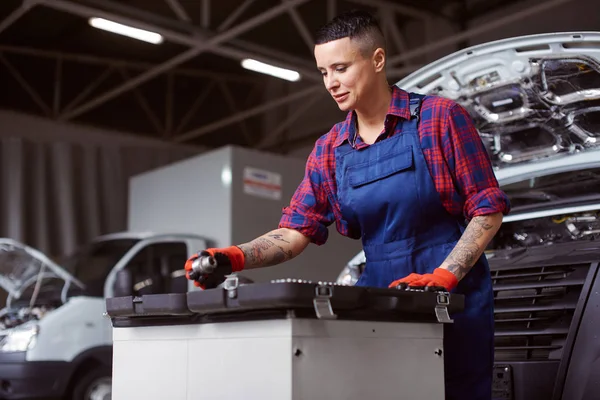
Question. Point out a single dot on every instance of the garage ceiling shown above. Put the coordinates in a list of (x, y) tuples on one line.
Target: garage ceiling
[(191, 88)]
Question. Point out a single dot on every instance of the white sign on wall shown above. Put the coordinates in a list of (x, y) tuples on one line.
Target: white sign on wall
[(261, 183)]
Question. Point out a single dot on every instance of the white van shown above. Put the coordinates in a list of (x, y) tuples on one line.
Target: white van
[(54, 338)]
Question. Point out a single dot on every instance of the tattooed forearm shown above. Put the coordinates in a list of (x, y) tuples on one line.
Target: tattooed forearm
[(277, 236), (471, 245), (273, 248)]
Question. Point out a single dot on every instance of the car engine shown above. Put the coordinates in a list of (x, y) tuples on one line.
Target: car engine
[(32, 282), (550, 194), (10, 318), (547, 231)]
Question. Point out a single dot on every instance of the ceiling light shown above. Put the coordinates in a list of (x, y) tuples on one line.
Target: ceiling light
[(263, 68), (140, 34)]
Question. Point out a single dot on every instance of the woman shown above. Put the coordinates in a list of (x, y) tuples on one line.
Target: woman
[(403, 172)]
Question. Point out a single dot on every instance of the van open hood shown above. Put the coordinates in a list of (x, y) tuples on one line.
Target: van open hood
[(21, 267), (535, 101), (532, 98)]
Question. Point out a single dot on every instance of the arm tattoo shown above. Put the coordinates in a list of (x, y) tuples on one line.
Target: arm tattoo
[(469, 249), (277, 236), (264, 252)]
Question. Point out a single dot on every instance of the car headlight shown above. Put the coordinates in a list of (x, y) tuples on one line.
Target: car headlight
[(349, 275), (20, 338)]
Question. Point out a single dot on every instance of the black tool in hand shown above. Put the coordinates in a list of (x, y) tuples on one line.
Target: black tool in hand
[(209, 271), (205, 264)]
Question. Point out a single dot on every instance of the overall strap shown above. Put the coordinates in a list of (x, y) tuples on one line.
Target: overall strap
[(415, 101)]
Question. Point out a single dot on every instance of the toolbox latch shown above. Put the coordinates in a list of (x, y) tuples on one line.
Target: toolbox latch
[(441, 308), (322, 302), (231, 284)]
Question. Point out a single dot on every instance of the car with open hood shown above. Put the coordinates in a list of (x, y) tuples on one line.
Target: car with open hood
[(535, 101), (55, 340)]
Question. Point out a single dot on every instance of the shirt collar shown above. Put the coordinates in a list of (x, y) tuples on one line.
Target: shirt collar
[(399, 107)]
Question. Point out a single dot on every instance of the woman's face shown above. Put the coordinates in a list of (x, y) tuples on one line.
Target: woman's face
[(348, 75)]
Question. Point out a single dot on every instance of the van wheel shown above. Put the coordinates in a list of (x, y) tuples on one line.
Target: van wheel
[(95, 385)]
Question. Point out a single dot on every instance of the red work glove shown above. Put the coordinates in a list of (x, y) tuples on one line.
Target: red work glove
[(439, 277), (229, 259)]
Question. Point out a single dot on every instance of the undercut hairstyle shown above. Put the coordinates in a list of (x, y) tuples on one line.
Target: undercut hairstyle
[(360, 26)]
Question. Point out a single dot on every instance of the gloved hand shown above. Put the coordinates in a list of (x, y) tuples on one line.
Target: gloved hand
[(440, 277), (229, 259)]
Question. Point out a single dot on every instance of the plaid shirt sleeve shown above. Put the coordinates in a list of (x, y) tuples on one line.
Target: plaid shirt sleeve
[(470, 166), (309, 211)]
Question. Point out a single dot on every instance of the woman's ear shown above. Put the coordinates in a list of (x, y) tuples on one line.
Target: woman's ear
[(379, 60)]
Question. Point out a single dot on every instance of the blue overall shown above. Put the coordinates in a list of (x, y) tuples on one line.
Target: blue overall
[(386, 192)]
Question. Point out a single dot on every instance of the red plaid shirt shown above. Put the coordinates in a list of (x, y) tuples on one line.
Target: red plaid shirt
[(453, 150)]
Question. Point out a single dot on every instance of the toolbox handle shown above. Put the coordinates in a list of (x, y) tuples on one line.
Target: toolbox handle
[(322, 302)]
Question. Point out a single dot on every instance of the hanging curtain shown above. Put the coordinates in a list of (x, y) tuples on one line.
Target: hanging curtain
[(56, 196)]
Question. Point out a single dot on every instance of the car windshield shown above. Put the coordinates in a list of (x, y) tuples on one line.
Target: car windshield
[(92, 263)]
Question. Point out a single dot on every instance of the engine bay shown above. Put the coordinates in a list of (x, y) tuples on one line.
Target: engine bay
[(552, 193), (34, 283), (547, 231), (15, 316)]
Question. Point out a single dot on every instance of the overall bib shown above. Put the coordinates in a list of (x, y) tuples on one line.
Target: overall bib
[(386, 192)]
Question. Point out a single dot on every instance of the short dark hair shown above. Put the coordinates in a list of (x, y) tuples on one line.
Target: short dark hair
[(357, 25)]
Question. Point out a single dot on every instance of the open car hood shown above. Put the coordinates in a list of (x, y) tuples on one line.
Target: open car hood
[(532, 98), (21, 267), (535, 101)]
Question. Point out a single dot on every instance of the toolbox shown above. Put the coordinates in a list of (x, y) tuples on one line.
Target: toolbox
[(282, 340)]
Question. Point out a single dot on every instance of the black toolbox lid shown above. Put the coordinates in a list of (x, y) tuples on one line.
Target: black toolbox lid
[(282, 299)]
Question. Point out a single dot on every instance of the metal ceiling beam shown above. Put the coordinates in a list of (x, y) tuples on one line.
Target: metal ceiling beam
[(301, 27), (289, 121), (35, 96), (470, 33), (58, 75), (398, 73), (483, 8), (169, 105), (194, 133), (305, 140), (88, 89), (139, 65), (399, 8), (179, 10), (198, 48), (205, 16), (389, 25), (15, 15), (392, 72), (234, 15), (233, 108), (283, 59), (144, 105), (331, 9), (194, 107), (242, 48), (72, 133), (307, 74)]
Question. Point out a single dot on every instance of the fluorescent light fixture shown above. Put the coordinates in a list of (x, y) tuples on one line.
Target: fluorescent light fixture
[(114, 27), (263, 68)]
